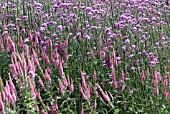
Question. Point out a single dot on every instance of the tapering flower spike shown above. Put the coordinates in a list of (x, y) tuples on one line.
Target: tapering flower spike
[(95, 103), (11, 44), (82, 110), (2, 107), (47, 76), (105, 96), (85, 92), (156, 91), (61, 69), (83, 82), (114, 78), (36, 107), (71, 86), (35, 56), (54, 108), (155, 75), (46, 58), (94, 75), (41, 82), (43, 111), (29, 36), (143, 76), (11, 84), (62, 87), (91, 54), (65, 81)]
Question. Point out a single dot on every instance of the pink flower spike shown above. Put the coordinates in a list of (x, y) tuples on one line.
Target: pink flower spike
[(91, 53), (2, 106), (11, 44), (155, 82), (14, 96), (68, 80), (94, 75), (165, 83), (2, 48), (16, 66), (115, 84), (97, 94), (47, 76), (105, 96), (23, 61), (49, 42), (47, 60), (29, 63), (36, 38), (21, 71), (35, 58), (156, 91), (61, 70), (13, 56), (11, 100), (165, 93), (1, 103), (143, 76), (54, 108), (39, 95), (2, 45), (86, 92), (147, 72), (66, 42), (83, 82), (65, 83), (20, 42), (36, 107), (41, 83), (115, 62), (95, 104), (71, 86), (91, 90), (43, 111), (7, 86), (62, 88), (155, 75), (81, 90), (114, 78), (11, 84), (113, 54), (123, 87), (123, 77), (82, 110), (33, 91), (29, 36)]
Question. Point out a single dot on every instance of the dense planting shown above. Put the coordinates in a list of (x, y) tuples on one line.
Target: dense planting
[(85, 56)]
